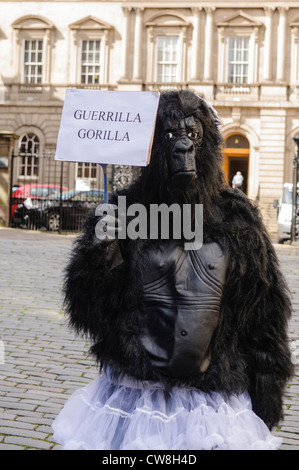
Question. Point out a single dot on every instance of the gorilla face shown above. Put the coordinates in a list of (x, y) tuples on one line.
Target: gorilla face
[(182, 138), (186, 159)]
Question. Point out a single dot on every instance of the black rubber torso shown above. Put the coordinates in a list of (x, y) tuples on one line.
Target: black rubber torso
[(182, 292)]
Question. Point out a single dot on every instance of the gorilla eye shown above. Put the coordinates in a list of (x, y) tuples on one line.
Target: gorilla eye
[(169, 135), (192, 135)]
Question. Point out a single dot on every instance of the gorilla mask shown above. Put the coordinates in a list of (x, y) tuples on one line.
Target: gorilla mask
[(182, 137), (186, 159)]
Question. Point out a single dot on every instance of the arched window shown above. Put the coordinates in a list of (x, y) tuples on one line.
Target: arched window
[(237, 141), (29, 152)]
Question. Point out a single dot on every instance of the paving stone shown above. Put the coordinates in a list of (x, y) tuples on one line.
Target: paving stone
[(15, 424), (10, 447), (16, 405), (45, 362), (10, 431), (28, 443)]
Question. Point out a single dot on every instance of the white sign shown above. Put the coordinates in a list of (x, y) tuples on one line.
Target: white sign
[(115, 127)]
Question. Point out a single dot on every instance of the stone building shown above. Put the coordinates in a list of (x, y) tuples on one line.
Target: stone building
[(243, 56)]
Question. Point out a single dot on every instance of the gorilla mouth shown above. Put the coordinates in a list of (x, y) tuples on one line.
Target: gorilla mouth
[(183, 172), (181, 179)]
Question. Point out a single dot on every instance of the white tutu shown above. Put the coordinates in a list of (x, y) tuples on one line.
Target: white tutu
[(130, 415)]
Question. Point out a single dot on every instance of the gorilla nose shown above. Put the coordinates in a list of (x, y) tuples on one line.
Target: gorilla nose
[(184, 154), (182, 164), (183, 169), (183, 145), (184, 159)]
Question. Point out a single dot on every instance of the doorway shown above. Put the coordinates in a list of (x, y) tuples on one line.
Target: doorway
[(236, 158), (238, 164)]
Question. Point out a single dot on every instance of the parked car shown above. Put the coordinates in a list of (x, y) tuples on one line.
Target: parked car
[(56, 214), (285, 212), (34, 191)]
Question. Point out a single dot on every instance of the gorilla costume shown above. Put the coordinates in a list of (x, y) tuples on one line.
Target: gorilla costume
[(192, 344)]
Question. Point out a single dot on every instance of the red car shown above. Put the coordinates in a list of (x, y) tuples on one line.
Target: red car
[(34, 191)]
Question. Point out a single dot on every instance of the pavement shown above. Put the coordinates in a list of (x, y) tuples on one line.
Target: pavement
[(42, 362)]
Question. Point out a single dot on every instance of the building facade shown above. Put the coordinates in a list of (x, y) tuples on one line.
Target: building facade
[(243, 56)]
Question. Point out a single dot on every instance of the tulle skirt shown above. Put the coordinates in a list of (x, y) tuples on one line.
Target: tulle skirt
[(125, 414)]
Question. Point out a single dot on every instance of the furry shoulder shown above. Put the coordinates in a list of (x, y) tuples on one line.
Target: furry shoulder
[(235, 204)]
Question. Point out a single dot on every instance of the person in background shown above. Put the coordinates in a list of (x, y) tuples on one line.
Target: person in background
[(238, 181)]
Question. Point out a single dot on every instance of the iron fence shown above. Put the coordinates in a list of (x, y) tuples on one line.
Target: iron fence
[(46, 194)]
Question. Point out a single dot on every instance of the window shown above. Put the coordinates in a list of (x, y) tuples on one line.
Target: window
[(29, 151), (238, 54), (90, 52), (237, 141), (33, 61), (238, 60), (167, 50), (90, 62), (167, 59), (33, 44), (87, 170)]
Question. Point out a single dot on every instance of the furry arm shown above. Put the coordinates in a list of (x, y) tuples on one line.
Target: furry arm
[(89, 275), (256, 304)]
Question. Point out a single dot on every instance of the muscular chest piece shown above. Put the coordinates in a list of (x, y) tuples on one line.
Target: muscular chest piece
[(182, 292)]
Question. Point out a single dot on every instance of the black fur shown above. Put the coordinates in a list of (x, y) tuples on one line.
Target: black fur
[(250, 347)]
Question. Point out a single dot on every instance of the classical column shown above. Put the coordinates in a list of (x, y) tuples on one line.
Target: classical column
[(125, 43), (294, 54), (47, 49), (281, 44), (268, 44), (138, 45), (208, 44), (221, 56), (106, 57), (195, 44)]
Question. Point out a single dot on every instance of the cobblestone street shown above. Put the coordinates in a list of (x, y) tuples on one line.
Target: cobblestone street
[(43, 362)]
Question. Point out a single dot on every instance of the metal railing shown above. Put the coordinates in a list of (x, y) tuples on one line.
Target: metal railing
[(45, 194)]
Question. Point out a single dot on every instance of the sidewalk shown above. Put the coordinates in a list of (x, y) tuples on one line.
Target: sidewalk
[(45, 361), (289, 428)]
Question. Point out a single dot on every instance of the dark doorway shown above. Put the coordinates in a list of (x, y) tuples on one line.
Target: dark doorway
[(238, 164), (236, 154)]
